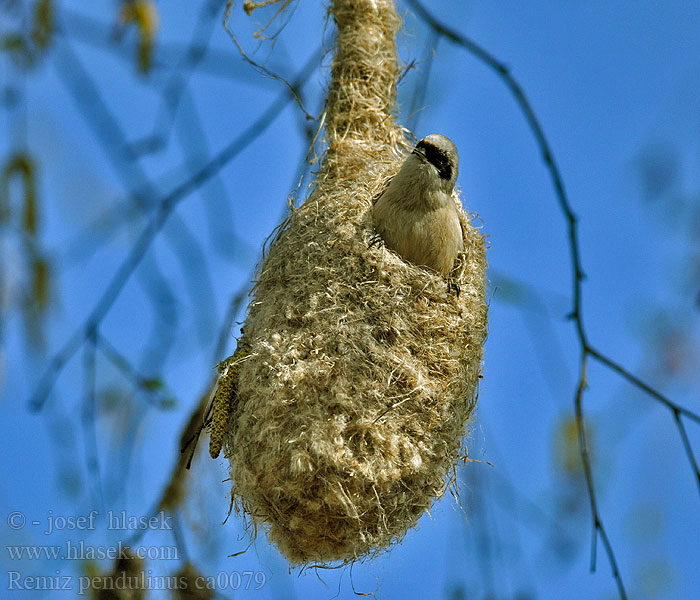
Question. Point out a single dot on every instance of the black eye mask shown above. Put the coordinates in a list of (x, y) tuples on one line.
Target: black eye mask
[(436, 157)]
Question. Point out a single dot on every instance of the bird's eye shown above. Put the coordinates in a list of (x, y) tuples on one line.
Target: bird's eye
[(438, 158)]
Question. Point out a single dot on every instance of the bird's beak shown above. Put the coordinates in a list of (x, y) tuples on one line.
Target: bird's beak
[(420, 153)]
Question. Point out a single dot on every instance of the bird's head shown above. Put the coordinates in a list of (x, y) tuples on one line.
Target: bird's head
[(439, 154)]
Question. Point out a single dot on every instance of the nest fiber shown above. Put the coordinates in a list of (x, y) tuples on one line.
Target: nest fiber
[(359, 371)]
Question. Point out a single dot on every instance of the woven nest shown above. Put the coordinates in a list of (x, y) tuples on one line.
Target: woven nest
[(357, 372)]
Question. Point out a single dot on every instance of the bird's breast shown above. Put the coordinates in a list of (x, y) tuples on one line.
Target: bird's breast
[(425, 234)]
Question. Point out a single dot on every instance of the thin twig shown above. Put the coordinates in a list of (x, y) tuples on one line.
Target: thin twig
[(598, 528), (260, 67), (613, 366), (678, 411), (687, 447), (416, 109)]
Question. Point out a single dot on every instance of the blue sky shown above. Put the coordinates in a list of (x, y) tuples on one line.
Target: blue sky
[(615, 87)]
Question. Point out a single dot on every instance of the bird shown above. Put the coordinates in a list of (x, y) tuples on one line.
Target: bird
[(415, 216)]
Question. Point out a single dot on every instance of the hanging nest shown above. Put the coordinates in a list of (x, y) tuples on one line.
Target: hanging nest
[(349, 394)]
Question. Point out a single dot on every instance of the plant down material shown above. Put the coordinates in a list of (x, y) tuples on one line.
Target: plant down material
[(359, 370)]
